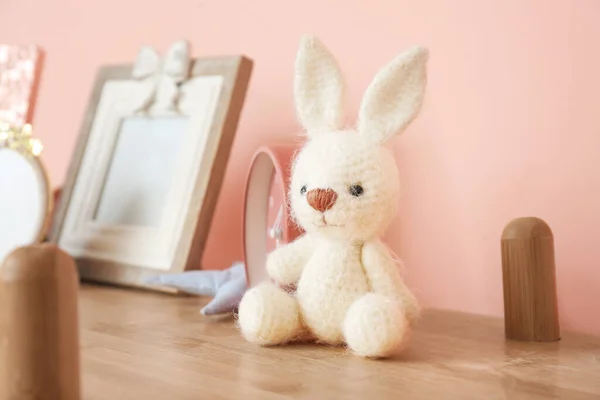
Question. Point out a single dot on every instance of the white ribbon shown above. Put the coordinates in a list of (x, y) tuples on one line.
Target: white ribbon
[(161, 79)]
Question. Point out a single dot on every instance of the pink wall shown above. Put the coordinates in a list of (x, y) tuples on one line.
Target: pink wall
[(509, 127)]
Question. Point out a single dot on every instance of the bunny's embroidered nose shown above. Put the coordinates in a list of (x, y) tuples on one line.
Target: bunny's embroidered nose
[(321, 199)]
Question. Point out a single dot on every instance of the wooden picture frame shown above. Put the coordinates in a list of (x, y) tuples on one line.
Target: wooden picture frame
[(127, 253)]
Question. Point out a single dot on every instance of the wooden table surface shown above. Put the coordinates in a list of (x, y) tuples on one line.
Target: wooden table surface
[(143, 345)]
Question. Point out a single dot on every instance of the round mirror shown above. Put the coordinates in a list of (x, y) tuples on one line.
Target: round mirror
[(25, 200)]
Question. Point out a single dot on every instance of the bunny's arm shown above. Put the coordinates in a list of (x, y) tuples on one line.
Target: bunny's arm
[(384, 276), (285, 263)]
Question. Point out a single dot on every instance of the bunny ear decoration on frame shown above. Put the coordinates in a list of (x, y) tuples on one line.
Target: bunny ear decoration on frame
[(161, 78), (147, 63)]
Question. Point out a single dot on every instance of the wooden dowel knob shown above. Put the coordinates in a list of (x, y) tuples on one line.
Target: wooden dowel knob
[(39, 332), (529, 280)]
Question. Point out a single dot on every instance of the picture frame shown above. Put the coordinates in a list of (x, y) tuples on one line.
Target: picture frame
[(20, 76), (142, 185)]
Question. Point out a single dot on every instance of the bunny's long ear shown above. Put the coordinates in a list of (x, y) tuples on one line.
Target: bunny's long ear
[(395, 96), (318, 87)]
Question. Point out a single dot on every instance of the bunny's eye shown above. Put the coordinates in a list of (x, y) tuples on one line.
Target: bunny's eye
[(303, 189), (356, 190)]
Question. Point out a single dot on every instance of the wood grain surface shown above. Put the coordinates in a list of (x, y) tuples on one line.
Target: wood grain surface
[(146, 345), (529, 281), (39, 353)]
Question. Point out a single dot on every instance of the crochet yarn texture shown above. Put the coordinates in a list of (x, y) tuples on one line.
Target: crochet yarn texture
[(343, 192)]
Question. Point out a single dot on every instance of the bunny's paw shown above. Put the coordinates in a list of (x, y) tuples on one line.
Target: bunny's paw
[(375, 326), (269, 316)]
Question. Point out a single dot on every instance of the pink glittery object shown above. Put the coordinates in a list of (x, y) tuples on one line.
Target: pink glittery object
[(18, 82)]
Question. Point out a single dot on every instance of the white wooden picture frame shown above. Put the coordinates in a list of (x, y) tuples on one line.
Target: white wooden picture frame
[(143, 182)]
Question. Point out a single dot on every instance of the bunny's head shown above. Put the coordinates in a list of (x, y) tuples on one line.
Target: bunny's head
[(345, 182)]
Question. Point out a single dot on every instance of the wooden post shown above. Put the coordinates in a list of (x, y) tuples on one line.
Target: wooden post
[(39, 332), (528, 272)]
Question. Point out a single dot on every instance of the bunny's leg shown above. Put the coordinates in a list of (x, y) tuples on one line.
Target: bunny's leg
[(269, 316), (375, 326)]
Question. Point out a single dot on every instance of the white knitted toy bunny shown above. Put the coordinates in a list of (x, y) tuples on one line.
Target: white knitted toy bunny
[(344, 189)]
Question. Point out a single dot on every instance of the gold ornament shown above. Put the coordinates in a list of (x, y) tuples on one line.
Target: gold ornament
[(19, 138)]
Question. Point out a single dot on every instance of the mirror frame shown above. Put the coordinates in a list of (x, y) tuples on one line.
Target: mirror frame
[(19, 139)]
